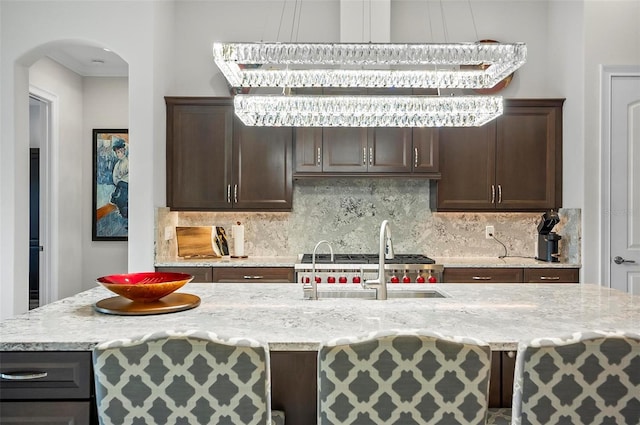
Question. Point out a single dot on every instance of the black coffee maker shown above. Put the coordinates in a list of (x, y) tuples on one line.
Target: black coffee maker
[(548, 240)]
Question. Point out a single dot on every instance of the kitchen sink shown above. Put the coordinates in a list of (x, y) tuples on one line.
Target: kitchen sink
[(370, 294)]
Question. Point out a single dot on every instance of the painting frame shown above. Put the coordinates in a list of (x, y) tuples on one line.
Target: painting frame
[(110, 185)]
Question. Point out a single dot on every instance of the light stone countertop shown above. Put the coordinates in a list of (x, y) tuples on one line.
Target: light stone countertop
[(500, 314), (290, 261)]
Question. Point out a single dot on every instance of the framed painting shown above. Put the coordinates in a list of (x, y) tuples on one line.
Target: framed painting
[(110, 185)]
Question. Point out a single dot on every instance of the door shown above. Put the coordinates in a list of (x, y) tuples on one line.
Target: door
[(625, 183), (34, 228)]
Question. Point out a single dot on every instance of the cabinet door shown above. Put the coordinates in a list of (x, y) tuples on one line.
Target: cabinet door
[(551, 275), (199, 139), (425, 150), (345, 149), (308, 149), (262, 168), (482, 275), (389, 150), (528, 158), (467, 164)]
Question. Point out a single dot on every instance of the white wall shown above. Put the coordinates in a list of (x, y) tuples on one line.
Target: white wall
[(67, 175), (105, 105)]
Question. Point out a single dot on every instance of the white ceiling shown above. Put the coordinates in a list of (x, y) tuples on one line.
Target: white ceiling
[(89, 61)]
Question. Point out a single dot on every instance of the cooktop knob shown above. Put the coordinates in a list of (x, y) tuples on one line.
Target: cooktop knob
[(394, 279), (318, 280), (331, 279), (432, 279), (406, 279), (420, 279), (342, 279), (356, 279)]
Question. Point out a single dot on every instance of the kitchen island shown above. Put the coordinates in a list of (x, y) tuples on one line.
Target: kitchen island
[(277, 314)]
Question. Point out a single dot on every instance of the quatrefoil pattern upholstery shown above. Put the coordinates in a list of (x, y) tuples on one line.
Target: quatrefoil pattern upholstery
[(583, 378), (403, 377), (182, 377)]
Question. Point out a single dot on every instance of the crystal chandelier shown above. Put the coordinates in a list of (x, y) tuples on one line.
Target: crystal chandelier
[(367, 65), (386, 65), (367, 111)]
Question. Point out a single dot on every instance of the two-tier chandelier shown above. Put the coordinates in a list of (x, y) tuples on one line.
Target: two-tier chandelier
[(365, 66)]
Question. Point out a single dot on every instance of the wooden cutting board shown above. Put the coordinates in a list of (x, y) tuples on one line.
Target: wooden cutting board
[(196, 241)]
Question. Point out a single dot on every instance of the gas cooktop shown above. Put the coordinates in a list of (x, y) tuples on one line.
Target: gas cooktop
[(367, 259)]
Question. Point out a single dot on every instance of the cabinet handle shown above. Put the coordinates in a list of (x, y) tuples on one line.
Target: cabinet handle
[(22, 376), (252, 277), (481, 277), (364, 156), (493, 194), (370, 156), (499, 193), (228, 194), (549, 277), (415, 157), (235, 193), (319, 158)]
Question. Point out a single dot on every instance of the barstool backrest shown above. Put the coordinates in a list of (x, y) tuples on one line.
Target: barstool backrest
[(177, 377), (583, 378), (403, 377)]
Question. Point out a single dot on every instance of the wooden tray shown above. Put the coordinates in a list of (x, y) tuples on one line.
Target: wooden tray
[(172, 303)]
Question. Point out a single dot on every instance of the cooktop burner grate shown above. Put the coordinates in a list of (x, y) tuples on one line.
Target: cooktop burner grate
[(367, 259)]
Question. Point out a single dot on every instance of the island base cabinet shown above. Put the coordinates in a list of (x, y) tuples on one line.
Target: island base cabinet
[(46, 413)]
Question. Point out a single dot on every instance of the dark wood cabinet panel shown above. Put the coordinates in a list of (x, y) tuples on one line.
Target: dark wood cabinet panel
[(425, 150), (216, 163), (467, 164), (389, 150), (253, 274), (513, 163), (262, 168), (200, 274), (308, 146), (47, 412), (552, 275), (199, 149), (482, 275), (345, 149)]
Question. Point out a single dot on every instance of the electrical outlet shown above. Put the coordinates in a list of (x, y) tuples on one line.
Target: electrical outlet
[(489, 231)]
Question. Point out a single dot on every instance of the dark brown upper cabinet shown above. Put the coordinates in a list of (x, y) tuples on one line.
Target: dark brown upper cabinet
[(513, 163), (384, 151), (214, 162)]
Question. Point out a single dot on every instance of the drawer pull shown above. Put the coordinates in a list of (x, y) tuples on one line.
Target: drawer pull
[(481, 278), (549, 277), (253, 277), (22, 376)]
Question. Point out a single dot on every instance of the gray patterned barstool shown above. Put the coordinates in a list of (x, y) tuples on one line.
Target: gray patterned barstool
[(182, 377), (584, 378), (403, 377)]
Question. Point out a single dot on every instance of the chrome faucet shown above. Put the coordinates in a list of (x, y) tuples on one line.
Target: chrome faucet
[(386, 252), (314, 284)]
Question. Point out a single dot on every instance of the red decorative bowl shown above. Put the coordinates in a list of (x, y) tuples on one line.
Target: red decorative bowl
[(144, 287)]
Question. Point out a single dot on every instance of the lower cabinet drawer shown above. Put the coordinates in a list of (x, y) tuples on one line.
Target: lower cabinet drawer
[(551, 275), (200, 274), (253, 274), (45, 412), (45, 375), (482, 275)]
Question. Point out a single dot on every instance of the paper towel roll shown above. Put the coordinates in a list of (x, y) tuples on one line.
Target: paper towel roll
[(237, 231)]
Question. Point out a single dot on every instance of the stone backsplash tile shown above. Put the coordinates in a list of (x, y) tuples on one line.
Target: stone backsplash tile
[(348, 211)]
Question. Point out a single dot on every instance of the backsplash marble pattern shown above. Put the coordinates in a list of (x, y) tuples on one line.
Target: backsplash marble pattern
[(347, 212)]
